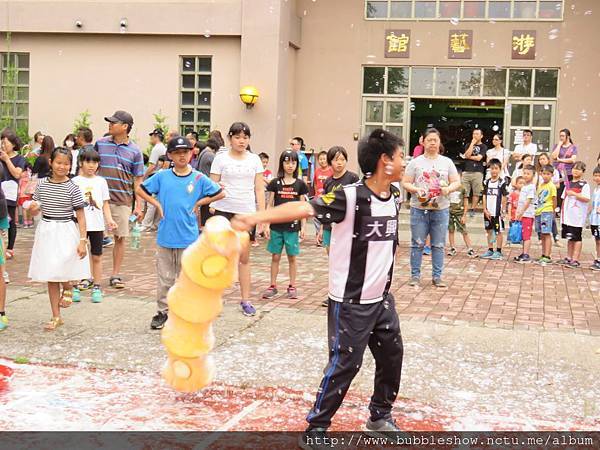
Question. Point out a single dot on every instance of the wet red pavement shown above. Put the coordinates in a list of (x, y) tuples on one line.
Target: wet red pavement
[(64, 398)]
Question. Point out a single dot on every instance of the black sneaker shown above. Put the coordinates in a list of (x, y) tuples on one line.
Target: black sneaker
[(382, 427), (158, 321), (314, 439)]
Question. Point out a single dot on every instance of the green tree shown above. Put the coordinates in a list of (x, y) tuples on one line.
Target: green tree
[(160, 123), (83, 120)]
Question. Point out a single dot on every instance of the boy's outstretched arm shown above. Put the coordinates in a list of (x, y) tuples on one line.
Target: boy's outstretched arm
[(288, 212)]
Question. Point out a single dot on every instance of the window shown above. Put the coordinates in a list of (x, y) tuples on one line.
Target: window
[(422, 81), (470, 82), (445, 82), (519, 84), (14, 91), (384, 113), (374, 80), (534, 115), (397, 80), (521, 10), (195, 94), (494, 82), (546, 83)]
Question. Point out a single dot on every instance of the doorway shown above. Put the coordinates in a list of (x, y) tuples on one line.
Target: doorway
[(456, 119)]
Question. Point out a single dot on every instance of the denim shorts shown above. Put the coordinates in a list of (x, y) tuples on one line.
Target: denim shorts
[(543, 223)]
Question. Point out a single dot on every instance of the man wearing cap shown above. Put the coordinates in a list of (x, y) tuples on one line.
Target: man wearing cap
[(158, 149), (122, 165), (177, 194)]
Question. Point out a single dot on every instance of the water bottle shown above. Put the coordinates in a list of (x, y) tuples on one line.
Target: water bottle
[(136, 236)]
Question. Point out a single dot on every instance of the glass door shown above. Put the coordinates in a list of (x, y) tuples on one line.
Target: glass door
[(537, 116)]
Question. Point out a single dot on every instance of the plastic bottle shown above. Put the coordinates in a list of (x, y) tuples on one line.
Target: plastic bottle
[(136, 236)]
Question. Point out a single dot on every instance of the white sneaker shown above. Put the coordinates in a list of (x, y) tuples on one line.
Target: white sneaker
[(6, 278)]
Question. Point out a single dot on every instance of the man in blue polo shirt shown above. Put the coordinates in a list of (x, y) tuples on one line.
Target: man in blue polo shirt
[(122, 165)]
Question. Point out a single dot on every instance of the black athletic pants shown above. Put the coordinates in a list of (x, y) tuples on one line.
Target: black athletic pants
[(12, 227), (351, 327)]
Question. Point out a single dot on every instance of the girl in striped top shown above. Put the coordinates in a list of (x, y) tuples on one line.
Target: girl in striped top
[(59, 252)]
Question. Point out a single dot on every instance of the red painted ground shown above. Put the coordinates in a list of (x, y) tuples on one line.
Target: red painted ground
[(51, 398)]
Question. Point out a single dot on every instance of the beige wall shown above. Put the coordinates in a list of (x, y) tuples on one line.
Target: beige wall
[(137, 73), (337, 42), (222, 17)]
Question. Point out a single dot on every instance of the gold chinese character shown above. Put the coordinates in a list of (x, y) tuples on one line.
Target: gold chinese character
[(397, 44), (522, 44), (458, 43)]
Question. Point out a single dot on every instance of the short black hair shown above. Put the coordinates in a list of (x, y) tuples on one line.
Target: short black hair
[(579, 165), (89, 155), (548, 168), (239, 127), (597, 170), (334, 151), (288, 155), (322, 152), (527, 130), (162, 159), (213, 144), (529, 167), (495, 163), (194, 134), (85, 133), (519, 178), (263, 155), (379, 142)]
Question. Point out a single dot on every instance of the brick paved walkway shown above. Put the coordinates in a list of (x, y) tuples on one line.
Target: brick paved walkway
[(481, 293)]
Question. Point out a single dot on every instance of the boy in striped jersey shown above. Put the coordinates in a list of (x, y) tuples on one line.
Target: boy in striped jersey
[(361, 310)]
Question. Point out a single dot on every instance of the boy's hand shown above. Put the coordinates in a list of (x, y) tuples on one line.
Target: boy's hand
[(302, 233), (160, 212), (463, 218), (244, 223), (487, 214), (320, 236), (267, 233), (112, 225), (82, 249)]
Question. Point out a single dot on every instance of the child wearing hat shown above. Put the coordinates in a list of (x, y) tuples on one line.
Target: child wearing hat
[(179, 193)]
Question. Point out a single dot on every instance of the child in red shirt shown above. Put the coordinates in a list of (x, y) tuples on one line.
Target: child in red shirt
[(513, 199), (322, 172)]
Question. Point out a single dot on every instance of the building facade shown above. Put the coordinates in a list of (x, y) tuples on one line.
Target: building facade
[(327, 70)]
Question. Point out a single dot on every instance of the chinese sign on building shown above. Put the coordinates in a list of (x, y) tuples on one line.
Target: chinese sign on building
[(397, 43), (460, 44), (523, 44)]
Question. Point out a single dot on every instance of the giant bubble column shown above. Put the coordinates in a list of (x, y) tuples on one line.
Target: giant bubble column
[(208, 267)]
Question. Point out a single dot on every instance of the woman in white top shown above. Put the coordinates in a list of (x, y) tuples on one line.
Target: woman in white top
[(501, 154), (241, 175)]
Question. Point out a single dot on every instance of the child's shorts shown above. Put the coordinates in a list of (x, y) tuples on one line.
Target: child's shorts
[(494, 224), (280, 238), (596, 232), (95, 238), (455, 224), (326, 238), (571, 233), (527, 223), (543, 223)]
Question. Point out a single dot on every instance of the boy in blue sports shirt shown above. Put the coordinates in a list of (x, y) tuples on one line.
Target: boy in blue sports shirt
[(180, 192)]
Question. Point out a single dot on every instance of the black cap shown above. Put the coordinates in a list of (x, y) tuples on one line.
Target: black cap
[(158, 132), (120, 116), (179, 143)]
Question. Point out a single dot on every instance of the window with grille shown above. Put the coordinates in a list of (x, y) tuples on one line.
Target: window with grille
[(195, 94), (14, 90), (464, 9)]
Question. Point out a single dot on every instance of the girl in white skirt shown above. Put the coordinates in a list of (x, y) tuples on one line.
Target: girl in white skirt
[(59, 252)]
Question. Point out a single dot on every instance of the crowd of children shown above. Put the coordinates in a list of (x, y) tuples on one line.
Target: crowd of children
[(73, 200)]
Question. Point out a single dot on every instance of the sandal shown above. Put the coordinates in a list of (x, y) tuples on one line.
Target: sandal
[(54, 323), (66, 299), (84, 285), (116, 283)]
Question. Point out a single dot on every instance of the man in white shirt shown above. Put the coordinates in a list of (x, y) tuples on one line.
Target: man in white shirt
[(526, 148), (158, 149)]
